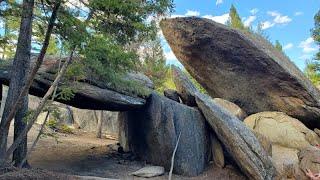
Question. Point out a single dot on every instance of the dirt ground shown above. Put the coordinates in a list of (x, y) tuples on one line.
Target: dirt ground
[(82, 154)]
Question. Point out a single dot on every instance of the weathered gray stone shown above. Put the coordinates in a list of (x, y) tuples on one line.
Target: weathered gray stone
[(153, 132), (141, 78), (89, 94), (172, 94), (186, 89), (242, 68), (149, 172), (238, 140)]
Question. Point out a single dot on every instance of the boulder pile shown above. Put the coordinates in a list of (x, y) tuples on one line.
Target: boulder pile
[(243, 68), (258, 114)]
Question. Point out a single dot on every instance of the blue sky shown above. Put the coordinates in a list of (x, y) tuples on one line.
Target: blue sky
[(288, 21)]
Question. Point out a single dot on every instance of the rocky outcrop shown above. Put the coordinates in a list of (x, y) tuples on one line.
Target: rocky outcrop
[(94, 95), (242, 68), (152, 132), (238, 140), (186, 89), (231, 107), (288, 136), (282, 129), (172, 94)]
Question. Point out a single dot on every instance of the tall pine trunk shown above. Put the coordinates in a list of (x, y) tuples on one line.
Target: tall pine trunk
[(20, 68), (19, 124)]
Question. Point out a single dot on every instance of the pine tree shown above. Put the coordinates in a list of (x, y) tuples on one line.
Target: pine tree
[(235, 20), (278, 46), (154, 64), (312, 69), (316, 32)]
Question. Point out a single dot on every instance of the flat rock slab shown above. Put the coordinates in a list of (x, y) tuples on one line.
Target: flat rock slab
[(242, 68), (86, 95), (239, 141)]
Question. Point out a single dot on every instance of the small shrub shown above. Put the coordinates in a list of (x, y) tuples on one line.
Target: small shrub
[(52, 124), (65, 129)]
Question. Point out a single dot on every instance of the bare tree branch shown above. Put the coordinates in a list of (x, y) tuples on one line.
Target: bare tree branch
[(38, 63), (40, 107), (173, 155)]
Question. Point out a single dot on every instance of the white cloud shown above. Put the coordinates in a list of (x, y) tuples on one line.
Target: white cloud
[(223, 19), (305, 56), (298, 13), (219, 2), (279, 18), (170, 56), (282, 19), (254, 11), (266, 25), (192, 13), (273, 13), (249, 20), (308, 45), (1, 24), (288, 46), (177, 15)]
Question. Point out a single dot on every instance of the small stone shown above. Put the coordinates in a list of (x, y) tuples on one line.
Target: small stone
[(149, 172)]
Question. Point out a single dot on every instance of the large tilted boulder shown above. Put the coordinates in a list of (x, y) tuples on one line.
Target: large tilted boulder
[(152, 132), (186, 89), (242, 68), (239, 141)]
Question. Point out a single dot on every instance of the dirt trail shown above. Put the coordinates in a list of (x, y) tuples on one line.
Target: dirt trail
[(83, 154)]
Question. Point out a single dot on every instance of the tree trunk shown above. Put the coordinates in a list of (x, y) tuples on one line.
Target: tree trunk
[(99, 128), (1, 97), (19, 124), (13, 106), (16, 105), (21, 64), (36, 113)]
